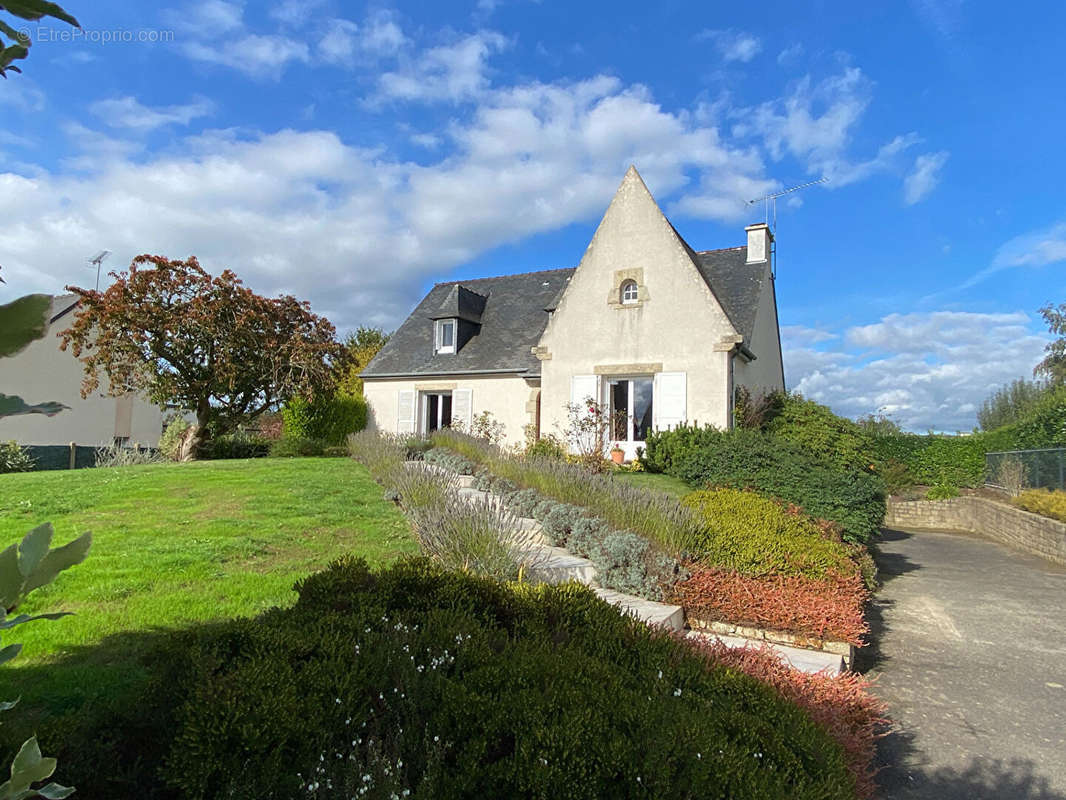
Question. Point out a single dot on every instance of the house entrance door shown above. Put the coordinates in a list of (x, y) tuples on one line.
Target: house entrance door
[(631, 412), (436, 412)]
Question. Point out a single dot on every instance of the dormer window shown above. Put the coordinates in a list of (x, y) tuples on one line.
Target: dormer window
[(445, 336), (630, 293)]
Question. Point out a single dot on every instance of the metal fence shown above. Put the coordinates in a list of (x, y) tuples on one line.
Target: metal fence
[(1026, 469)]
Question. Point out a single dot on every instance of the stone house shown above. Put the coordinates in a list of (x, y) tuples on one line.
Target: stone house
[(644, 324)]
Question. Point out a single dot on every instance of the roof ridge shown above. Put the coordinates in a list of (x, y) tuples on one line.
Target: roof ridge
[(508, 275), (721, 249)]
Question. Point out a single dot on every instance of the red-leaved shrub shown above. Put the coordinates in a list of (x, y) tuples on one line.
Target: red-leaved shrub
[(841, 704), (831, 608)]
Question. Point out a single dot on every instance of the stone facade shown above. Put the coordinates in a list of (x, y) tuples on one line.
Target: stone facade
[(1021, 530)]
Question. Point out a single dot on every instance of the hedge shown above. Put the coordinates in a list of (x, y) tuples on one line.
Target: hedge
[(413, 681), (330, 419), (750, 459)]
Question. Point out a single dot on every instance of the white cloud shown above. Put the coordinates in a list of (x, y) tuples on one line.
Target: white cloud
[(790, 54), (214, 32), (926, 370), (295, 12), (733, 45), (128, 112), (449, 73), (924, 177), (378, 37), (1034, 249)]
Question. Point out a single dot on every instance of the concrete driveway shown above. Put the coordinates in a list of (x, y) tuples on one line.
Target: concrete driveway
[(971, 658)]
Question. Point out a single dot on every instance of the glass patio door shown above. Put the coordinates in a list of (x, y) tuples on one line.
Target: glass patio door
[(631, 413)]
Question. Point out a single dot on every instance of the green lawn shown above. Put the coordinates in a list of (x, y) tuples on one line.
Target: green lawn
[(176, 544), (657, 481)]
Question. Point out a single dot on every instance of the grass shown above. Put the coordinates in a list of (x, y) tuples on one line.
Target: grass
[(175, 544), (659, 482)]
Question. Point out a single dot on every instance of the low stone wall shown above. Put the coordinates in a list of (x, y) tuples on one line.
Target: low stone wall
[(1031, 533)]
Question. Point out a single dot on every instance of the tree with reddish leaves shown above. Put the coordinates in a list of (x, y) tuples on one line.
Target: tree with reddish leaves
[(171, 331)]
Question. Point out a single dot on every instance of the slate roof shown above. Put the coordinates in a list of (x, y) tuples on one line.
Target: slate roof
[(735, 283), (512, 321), (513, 315)]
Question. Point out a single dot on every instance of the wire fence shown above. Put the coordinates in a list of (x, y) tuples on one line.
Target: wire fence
[(1014, 470)]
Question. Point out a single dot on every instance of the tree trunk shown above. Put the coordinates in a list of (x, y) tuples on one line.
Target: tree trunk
[(194, 437)]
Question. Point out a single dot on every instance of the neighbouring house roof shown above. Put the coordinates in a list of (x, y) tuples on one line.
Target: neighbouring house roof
[(509, 324), (511, 312)]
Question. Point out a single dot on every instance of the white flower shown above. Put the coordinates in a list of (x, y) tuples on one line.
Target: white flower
[(677, 692)]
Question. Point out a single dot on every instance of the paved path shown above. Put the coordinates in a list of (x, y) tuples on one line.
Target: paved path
[(971, 657)]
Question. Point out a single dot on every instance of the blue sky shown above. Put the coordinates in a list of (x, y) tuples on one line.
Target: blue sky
[(354, 154)]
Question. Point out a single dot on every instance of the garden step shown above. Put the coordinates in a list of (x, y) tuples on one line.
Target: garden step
[(556, 565), (647, 611), (795, 657)]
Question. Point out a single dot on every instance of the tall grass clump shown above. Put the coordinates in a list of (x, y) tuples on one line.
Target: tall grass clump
[(117, 455), (381, 454), (654, 515)]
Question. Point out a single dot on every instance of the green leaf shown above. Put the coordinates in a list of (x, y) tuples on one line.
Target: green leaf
[(35, 9), (9, 652), (7, 705), (58, 560), (23, 320), (34, 547), (29, 766), (12, 53), (54, 791), (23, 618), (11, 579), (13, 406), (14, 35)]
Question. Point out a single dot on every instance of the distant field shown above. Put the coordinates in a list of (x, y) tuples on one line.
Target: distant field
[(176, 544)]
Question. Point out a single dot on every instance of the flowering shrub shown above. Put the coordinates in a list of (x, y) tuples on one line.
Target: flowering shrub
[(841, 704), (831, 608), (14, 459), (438, 684)]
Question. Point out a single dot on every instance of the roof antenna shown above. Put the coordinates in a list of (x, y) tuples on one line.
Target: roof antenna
[(770, 210), (98, 259)]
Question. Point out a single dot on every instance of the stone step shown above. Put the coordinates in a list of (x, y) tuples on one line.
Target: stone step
[(647, 611), (797, 658), (556, 565)]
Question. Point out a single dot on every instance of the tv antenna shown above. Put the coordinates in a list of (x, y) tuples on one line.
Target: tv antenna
[(770, 201), (770, 215), (98, 259)]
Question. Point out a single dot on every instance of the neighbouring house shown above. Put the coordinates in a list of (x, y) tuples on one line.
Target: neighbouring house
[(42, 373), (644, 324)]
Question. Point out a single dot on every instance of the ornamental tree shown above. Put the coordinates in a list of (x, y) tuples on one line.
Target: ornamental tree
[(1053, 367), (171, 331)]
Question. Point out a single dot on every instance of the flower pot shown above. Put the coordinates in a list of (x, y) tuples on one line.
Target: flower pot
[(618, 456)]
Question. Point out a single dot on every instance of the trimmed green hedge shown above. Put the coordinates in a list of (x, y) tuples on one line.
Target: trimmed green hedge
[(328, 419), (749, 459), (835, 441), (960, 460), (444, 685)]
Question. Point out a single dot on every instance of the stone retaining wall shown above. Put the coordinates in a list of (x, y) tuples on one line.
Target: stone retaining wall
[(1031, 533)]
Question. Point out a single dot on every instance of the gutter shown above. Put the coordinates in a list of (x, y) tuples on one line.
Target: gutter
[(505, 371)]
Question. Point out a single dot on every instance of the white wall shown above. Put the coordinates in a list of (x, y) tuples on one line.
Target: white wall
[(42, 372), (675, 326), (510, 398)]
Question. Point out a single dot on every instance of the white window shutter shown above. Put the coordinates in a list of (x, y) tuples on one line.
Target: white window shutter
[(405, 412), (670, 400), (582, 387), (463, 407)]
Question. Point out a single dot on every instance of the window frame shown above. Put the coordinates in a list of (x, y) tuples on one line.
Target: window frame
[(624, 292), (438, 336)]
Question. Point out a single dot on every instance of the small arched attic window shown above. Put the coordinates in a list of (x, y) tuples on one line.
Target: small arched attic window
[(629, 292)]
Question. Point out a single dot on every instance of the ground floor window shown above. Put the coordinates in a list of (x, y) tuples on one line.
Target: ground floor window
[(631, 408), (436, 411)]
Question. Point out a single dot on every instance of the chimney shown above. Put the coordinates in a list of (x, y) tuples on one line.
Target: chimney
[(759, 239)]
